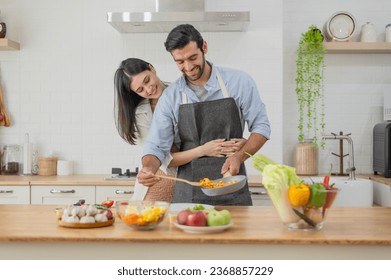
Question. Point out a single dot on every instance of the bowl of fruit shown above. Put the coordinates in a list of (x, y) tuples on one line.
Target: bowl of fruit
[(203, 221), (142, 215)]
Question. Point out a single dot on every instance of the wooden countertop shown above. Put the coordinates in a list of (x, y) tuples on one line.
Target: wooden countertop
[(82, 180), (252, 225)]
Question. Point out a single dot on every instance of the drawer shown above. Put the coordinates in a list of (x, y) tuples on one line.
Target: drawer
[(14, 194), (113, 193), (62, 195)]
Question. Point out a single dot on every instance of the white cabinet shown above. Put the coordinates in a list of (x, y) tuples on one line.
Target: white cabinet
[(381, 194), (62, 195), (113, 193), (259, 196), (14, 194)]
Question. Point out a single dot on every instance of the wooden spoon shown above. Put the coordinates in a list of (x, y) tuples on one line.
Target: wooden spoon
[(5, 121), (196, 184)]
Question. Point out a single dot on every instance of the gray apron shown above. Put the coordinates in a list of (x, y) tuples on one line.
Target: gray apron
[(199, 123)]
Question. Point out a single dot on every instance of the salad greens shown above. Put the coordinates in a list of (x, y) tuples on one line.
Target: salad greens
[(277, 178)]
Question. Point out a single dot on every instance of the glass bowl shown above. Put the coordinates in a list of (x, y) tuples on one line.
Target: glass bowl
[(307, 209), (142, 215)]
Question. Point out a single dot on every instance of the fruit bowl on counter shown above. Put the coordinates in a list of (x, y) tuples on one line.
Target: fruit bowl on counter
[(142, 215), (198, 220)]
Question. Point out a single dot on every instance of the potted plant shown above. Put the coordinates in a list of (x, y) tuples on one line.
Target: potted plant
[(310, 100)]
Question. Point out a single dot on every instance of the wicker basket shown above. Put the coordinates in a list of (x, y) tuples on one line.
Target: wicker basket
[(47, 166)]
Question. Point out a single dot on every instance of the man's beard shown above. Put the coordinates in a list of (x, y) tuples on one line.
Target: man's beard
[(200, 72)]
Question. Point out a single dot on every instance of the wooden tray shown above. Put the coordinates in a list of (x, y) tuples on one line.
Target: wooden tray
[(92, 225)]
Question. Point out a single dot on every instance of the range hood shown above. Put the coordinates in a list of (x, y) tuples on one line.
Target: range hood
[(170, 13)]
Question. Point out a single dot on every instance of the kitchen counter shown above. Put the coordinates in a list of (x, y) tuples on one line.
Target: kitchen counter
[(83, 180), (31, 232)]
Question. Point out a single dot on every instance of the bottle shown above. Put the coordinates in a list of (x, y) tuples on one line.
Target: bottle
[(3, 29), (27, 156), (388, 33), (10, 160)]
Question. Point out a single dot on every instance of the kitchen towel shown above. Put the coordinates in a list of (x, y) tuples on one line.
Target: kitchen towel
[(64, 167)]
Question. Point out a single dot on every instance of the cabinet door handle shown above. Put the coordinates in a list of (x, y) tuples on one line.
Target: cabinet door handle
[(123, 192), (62, 191), (258, 193), (9, 191)]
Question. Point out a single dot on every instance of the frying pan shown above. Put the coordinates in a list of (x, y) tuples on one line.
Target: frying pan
[(240, 183)]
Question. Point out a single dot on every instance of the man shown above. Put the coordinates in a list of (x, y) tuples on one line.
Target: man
[(206, 103)]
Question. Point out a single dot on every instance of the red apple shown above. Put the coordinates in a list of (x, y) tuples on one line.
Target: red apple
[(196, 219), (182, 216)]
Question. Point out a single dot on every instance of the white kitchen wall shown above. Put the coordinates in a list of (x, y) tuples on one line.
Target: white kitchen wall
[(354, 83), (59, 86)]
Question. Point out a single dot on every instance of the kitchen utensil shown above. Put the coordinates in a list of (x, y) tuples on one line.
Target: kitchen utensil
[(5, 121), (368, 33), (240, 183), (196, 184), (230, 188), (339, 27)]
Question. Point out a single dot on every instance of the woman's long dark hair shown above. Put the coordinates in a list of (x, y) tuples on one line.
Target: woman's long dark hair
[(126, 100)]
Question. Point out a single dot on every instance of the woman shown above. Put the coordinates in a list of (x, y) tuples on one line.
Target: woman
[(137, 90)]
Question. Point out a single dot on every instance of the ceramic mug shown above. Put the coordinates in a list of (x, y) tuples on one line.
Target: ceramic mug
[(368, 33)]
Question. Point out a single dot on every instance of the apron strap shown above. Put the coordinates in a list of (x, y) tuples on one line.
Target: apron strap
[(184, 98), (222, 85)]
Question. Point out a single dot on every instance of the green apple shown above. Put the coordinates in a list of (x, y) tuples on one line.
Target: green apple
[(218, 218), (227, 216)]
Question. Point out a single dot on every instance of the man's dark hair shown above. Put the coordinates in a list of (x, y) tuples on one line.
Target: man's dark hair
[(182, 35)]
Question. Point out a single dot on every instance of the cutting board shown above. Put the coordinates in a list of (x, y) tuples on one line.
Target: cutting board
[(4, 118)]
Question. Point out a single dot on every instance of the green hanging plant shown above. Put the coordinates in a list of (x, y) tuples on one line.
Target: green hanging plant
[(309, 86)]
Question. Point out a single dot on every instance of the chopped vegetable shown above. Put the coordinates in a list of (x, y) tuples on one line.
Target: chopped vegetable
[(208, 183)]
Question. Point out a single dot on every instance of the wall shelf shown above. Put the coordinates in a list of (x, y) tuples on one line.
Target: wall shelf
[(8, 45), (357, 47)]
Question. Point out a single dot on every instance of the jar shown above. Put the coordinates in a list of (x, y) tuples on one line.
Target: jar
[(10, 163), (388, 33), (368, 33)]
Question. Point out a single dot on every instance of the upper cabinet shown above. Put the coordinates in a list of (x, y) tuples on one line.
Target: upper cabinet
[(357, 47), (8, 45)]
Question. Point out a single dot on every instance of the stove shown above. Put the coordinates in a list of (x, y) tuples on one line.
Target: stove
[(117, 175)]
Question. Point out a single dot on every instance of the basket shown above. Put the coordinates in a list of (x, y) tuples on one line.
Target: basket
[(47, 166)]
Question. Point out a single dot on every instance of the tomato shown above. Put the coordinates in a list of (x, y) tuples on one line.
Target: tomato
[(108, 203)]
